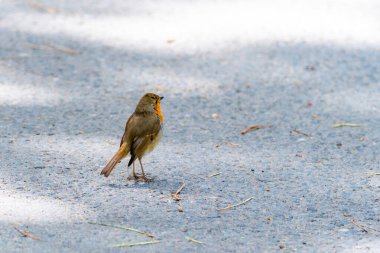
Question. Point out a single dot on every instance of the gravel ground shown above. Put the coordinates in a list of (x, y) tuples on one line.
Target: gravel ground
[(302, 65)]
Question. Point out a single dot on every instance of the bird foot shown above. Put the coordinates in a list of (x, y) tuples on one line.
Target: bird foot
[(140, 178), (132, 177), (144, 179)]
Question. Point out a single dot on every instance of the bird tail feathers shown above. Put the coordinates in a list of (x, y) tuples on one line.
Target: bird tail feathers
[(120, 154)]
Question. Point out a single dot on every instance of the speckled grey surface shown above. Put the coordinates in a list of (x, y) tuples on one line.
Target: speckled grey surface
[(62, 117)]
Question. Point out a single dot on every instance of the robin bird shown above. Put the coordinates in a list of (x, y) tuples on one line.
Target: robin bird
[(142, 133)]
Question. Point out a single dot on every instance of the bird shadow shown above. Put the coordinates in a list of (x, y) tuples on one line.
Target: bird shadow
[(159, 184)]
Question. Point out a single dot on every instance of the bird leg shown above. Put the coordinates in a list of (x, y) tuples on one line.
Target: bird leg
[(143, 177), (135, 176), (134, 171)]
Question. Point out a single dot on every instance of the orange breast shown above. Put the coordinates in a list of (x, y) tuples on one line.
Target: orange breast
[(158, 111)]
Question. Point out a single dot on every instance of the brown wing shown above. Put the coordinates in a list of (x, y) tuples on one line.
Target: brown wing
[(123, 139), (144, 136)]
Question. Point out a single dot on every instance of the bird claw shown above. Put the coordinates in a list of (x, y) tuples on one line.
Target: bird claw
[(140, 178), (145, 179), (134, 177)]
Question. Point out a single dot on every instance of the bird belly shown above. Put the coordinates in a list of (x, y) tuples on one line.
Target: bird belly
[(154, 142)]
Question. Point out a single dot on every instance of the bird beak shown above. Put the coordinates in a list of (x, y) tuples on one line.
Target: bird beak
[(161, 98)]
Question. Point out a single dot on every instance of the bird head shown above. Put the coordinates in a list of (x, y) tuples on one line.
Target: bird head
[(149, 103)]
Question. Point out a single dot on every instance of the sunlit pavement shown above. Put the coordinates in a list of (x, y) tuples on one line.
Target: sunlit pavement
[(71, 73)]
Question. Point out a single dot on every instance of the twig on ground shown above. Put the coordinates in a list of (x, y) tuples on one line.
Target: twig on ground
[(56, 48), (134, 244), (175, 195), (363, 226), (232, 144), (193, 240), (346, 124), (296, 131), (63, 49), (214, 174), (27, 233), (180, 189), (122, 227), (235, 205), (254, 127)]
